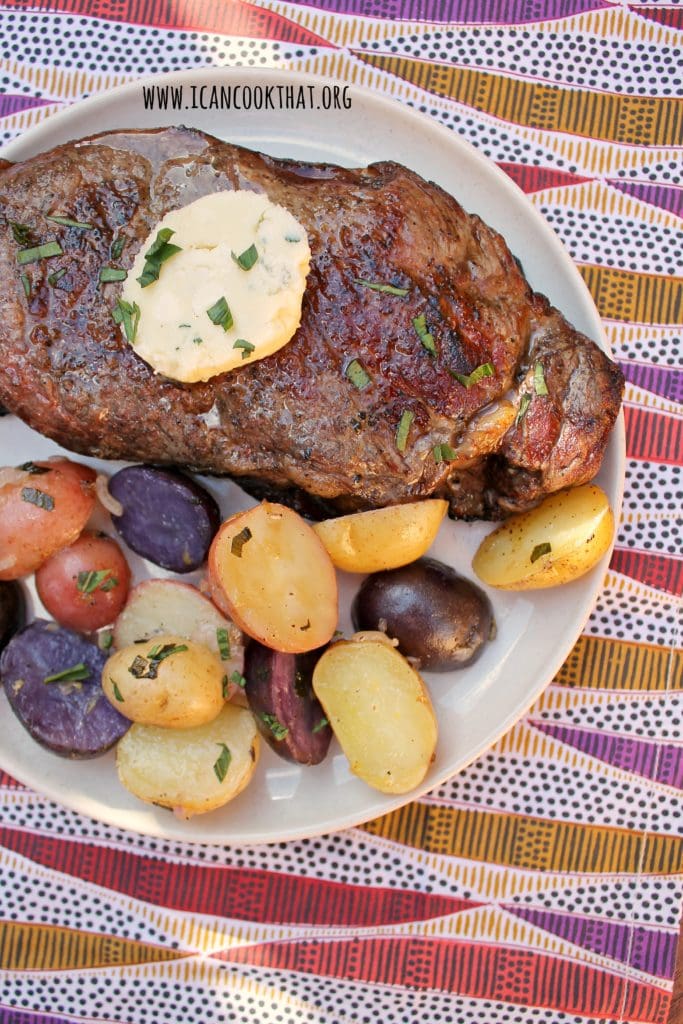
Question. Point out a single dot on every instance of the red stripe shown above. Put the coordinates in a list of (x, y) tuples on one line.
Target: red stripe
[(533, 179), (7, 782), (652, 435), (659, 571), (227, 17), (242, 893), (510, 975), (666, 16)]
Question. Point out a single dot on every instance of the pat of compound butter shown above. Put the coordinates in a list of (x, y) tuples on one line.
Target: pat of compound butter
[(176, 332)]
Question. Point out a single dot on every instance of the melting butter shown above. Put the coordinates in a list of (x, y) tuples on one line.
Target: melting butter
[(176, 333)]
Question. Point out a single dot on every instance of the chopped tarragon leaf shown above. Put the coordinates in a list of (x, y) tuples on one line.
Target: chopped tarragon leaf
[(39, 498), (222, 763), (116, 691), (539, 550), (117, 247), (53, 278), (32, 469), (246, 259), (468, 379), (70, 675), (224, 687), (108, 274), (105, 640), (524, 403), (403, 429), (540, 386), (128, 314), (427, 339), (223, 641), (159, 251), (21, 233), (357, 374), (159, 652), (147, 668), (39, 252), (67, 222), (88, 581), (238, 679), (220, 314), (377, 286), (319, 726), (246, 346), (444, 453), (26, 285), (239, 540), (278, 730)]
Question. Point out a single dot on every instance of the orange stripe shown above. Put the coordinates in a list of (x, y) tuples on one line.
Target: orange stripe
[(31, 947)]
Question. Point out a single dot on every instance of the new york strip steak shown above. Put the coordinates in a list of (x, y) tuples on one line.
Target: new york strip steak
[(503, 400)]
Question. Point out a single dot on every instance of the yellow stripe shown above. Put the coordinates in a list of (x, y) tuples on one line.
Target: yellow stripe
[(600, 664), (637, 120), (529, 843), (646, 298), (28, 947)]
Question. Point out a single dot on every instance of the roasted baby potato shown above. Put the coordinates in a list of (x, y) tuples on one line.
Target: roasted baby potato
[(190, 770), (383, 538), (167, 681), (555, 543), (271, 573), (279, 692), (380, 711), (438, 617)]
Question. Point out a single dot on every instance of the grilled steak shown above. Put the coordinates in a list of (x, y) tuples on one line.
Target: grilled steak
[(293, 425)]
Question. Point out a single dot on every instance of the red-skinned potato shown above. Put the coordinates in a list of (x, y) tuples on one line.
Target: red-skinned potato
[(269, 571), (84, 586), (43, 507)]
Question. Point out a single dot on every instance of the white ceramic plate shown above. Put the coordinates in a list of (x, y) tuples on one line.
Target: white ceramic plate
[(476, 705)]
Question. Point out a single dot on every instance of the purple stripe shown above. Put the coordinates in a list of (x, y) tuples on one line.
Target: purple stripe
[(667, 197), (643, 948), (482, 12), (10, 104), (9, 1016), (659, 762), (666, 381)]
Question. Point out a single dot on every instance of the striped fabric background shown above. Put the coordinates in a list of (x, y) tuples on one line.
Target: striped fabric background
[(544, 883)]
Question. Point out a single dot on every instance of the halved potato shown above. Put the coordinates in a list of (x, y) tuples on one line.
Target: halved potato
[(383, 538), (190, 770), (272, 573), (555, 543), (380, 711)]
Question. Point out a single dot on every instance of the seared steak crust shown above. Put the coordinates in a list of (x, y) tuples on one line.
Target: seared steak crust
[(293, 424)]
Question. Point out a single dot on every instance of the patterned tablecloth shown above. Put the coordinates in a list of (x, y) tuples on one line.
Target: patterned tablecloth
[(544, 882)]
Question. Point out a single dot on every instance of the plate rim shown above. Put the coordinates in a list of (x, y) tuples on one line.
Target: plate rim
[(593, 582)]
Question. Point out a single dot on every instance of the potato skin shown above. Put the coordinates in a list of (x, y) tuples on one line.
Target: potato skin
[(437, 616), (183, 689), (382, 538), (182, 768)]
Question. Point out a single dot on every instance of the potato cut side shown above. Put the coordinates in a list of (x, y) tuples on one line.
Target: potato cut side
[(383, 538), (557, 542), (190, 770), (274, 575), (380, 711)]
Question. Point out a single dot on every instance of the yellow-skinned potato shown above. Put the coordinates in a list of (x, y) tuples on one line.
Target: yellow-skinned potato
[(384, 538), (166, 681), (555, 543), (380, 711), (190, 770)]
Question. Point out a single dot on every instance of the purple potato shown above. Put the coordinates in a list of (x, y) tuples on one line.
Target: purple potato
[(280, 694), (12, 610), (167, 517), (72, 718), (438, 617)]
